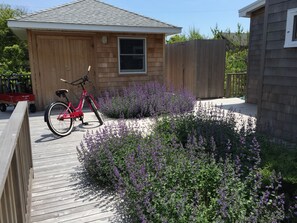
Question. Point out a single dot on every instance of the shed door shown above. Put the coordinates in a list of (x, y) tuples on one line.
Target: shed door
[(61, 57)]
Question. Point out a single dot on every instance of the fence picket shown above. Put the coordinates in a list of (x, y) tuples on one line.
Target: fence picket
[(235, 84)]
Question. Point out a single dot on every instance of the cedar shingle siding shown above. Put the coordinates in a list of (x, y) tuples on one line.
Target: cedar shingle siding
[(255, 50), (278, 106)]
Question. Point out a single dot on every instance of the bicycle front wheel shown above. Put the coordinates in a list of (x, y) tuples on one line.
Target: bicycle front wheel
[(54, 118), (95, 110)]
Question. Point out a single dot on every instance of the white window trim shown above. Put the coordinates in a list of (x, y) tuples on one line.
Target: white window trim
[(289, 42), (145, 56)]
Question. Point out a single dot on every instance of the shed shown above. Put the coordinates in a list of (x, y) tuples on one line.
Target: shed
[(272, 72), (122, 47)]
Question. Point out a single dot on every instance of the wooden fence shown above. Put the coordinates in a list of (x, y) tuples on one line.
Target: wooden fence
[(15, 83), (197, 66), (235, 85), (16, 168)]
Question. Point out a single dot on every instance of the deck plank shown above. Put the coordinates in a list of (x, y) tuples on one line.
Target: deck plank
[(58, 193)]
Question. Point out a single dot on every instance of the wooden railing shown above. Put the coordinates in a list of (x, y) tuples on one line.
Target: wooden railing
[(16, 168), (236, 85)]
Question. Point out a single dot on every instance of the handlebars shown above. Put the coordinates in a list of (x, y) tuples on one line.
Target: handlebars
[(81, 81)]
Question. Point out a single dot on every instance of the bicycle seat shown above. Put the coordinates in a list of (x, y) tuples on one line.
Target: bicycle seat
[(61, 92)]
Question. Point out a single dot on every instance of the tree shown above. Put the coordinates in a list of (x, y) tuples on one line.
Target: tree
[(177, 39), (216, 32), (13, 51), (193, 34), (236, 56)]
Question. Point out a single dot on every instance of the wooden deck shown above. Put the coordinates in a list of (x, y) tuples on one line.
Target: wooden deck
[(59, 192)]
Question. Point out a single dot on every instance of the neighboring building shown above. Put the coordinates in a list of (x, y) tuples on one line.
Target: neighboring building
[(272, 72), (122, 47)]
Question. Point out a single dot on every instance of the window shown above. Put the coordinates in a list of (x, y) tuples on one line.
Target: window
[(291, 29), (132, 55)]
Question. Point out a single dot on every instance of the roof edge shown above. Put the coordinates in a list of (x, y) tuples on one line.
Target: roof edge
[(247, 10), (20, 27)]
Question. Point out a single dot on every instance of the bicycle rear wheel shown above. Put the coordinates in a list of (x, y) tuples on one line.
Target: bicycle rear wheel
[(53, 117), (95, 110)]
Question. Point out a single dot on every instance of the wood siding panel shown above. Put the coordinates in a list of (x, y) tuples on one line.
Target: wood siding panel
[(174, 73), (197, 66), (51, 63), (278, 107)]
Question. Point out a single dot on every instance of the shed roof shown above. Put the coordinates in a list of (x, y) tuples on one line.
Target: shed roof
[(246, 11), (90, 15)]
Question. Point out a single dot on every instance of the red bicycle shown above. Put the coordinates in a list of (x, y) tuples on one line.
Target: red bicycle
[(60, 116)]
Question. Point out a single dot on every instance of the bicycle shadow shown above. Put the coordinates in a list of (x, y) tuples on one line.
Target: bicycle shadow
[(92, 125), (47, 138)]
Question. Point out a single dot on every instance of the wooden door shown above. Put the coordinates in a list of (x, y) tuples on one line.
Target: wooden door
[(51, 63), (61, 57), (80, 57)]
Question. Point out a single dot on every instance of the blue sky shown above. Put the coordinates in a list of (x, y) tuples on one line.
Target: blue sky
[(203, 15)]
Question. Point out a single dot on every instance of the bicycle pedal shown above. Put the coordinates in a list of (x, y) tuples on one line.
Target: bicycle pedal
[(85, 123)]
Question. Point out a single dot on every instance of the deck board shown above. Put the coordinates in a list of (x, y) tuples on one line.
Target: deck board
[(58, 193)]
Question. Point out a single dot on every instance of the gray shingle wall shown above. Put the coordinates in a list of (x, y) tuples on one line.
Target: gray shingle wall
[(278, 111), (255, 50)]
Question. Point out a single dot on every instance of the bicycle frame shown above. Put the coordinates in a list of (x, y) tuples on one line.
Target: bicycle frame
[(76, 112)]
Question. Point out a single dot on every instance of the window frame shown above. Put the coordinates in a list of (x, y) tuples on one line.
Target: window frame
[(145, 56), (291, 28)]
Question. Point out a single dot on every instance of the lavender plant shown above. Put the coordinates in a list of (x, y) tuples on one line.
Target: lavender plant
[(207, 121), (161, 180), (145, 100)]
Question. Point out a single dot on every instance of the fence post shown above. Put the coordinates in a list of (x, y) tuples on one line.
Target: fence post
[(228, 85)]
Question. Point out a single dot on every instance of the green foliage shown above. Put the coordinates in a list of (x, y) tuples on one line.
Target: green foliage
[(192, 35), (281, 158), (195, 34), (177, 38), (13, 59), (13, 51), (216, 32), (237, 54), (236, 61)]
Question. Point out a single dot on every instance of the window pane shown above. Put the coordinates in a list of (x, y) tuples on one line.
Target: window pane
[(132, 63), (131, 46), (295, 28)]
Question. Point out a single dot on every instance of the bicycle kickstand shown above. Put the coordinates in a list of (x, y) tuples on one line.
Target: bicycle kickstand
[(82, 121)]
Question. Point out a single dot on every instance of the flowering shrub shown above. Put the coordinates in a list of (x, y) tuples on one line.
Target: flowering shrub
[(162, 180), (211, 123), (144, 101)]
